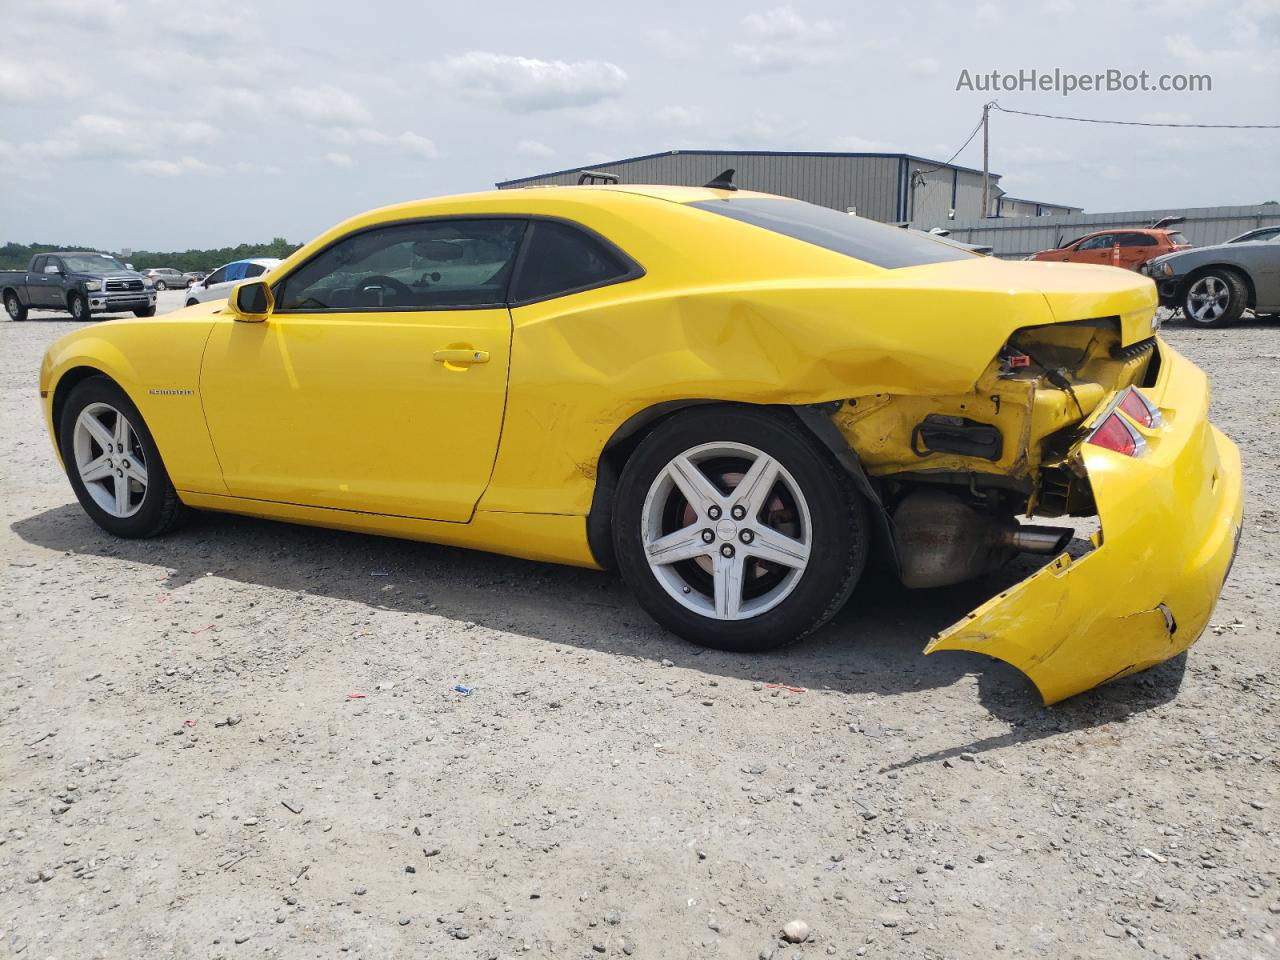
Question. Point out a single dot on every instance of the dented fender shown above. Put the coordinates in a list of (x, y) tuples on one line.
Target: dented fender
[(1170, 522)]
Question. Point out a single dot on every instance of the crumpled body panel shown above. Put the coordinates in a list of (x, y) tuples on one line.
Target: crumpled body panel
[(1170, 523)]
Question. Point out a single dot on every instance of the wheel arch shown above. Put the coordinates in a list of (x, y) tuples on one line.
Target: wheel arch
[(1201, 270), (813, 419), (62, 390)]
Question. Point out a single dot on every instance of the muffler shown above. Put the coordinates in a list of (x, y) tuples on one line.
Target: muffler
[(943, 540)]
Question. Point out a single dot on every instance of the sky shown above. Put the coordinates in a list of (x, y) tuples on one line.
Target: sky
[(162, 125)]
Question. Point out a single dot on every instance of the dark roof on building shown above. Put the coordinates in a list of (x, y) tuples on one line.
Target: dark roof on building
[(743, 153)]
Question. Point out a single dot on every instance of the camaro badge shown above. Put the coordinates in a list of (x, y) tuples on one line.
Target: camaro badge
[(171, 393)]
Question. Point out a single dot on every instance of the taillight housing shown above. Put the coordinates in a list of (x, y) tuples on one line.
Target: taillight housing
[(1139, 409), (1115, 431), (1118, 434)]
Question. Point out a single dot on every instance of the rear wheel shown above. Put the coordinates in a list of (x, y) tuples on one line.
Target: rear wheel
[(161, 285), (1215, 299), (736, 531), (113, 464), (13, 307), (78, 306)]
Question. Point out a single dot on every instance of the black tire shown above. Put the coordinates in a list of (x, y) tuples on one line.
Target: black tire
[(839, 537), (146, 312), (161, 285), (160, 509), (1237, 296), (192, 302), (14, 307), (79, 307)]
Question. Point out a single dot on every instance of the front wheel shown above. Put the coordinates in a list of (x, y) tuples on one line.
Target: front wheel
[(145, 312), (113, 464), (14, 308), (1215, 299), (735, 530), (161, 285), (79, 307)]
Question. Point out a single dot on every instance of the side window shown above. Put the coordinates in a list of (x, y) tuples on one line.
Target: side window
[(37, 265), (217, 276), (563, 259), (1137, 240), (236, 271), (423, 265), (254, 270), (1098, 243)]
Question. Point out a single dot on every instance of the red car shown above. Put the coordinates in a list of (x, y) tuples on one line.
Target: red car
[(1128, 247)]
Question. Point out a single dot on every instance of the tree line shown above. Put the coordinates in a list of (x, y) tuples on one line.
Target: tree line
[(16, 256)]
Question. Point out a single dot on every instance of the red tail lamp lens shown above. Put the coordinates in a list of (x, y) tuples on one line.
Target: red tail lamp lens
[(1115, 434), (1139, 410)]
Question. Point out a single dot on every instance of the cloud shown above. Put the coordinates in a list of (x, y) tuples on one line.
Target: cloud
[(340, 160), (22, 82), (411, 143), (523, 83), (924, 66), (534, 148), (853, 144), (780, 39), (173, 168), (677, 116), (418, 146), (325, 105)]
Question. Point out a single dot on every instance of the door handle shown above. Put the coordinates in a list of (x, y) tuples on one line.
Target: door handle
[(461, 357)]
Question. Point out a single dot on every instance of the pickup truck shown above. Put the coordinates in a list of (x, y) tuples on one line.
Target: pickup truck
[(82, 283)]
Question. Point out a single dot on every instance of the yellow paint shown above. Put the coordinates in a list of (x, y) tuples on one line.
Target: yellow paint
[(379, 423), (1169, 524)]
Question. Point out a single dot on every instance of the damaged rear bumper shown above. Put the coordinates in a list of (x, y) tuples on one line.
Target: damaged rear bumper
[(1170, 524)]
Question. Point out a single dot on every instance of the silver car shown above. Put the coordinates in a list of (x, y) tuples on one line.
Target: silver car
[(1214, 285)]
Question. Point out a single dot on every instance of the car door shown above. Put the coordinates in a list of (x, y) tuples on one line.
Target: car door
[(1096, 250), (53, 284), (1136, 249), (378, 382), (209, 287)]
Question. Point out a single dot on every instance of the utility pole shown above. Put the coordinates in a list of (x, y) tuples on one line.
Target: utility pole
[(986, 166)]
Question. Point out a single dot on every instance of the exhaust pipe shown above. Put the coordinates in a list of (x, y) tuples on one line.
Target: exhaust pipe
[(1046, 541), (942, 540)]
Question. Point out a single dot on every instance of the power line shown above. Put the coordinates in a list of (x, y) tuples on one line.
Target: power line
[(1140, 123), (968, 140)]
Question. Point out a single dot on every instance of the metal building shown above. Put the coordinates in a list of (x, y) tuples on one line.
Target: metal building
[(891, 187)]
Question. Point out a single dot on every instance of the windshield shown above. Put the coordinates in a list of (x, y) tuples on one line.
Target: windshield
[(90, 262), (856, 237), (1178, 239)]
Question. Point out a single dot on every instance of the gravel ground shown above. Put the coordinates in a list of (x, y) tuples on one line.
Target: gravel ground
[(243, 739)]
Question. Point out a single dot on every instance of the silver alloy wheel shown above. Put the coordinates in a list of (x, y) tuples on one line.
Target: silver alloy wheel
[(13, 306), (1208, 299), (726, 530), (110, 460)]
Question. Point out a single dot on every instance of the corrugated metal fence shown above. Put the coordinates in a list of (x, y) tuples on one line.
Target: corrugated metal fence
[(1016, 237)]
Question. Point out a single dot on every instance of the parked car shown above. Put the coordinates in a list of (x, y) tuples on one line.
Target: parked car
[(218, 284), (80, 282), (1128, 247), (1214, 285), (733, 398), (165, 278)]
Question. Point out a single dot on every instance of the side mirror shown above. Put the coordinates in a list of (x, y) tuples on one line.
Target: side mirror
[(52, 268), (252, 301)]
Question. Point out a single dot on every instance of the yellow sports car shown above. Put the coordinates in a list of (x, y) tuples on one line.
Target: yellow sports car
[(732, 398)]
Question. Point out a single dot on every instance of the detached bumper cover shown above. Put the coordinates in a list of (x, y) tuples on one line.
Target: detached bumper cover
[(1170, 524)]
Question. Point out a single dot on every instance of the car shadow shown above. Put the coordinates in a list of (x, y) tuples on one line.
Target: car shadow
[(872, 648)]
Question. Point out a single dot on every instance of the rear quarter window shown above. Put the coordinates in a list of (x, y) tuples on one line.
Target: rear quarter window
[(856, 237)]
